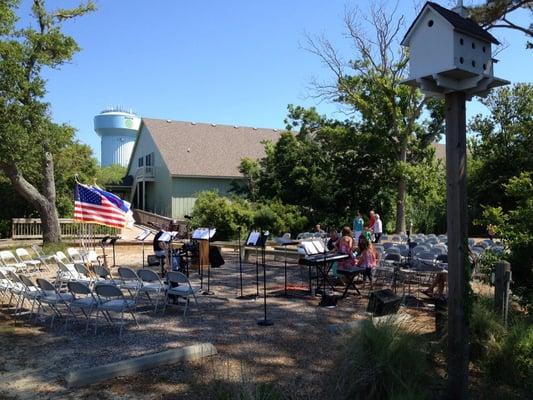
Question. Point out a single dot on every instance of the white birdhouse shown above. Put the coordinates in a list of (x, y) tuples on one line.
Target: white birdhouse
[(449, 52)]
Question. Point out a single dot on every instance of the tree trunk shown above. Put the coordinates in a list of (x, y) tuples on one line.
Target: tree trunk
[(44, 203), (402, 192)]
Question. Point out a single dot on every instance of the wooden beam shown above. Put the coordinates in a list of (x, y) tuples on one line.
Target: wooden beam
[(457, 226), (137, 364)]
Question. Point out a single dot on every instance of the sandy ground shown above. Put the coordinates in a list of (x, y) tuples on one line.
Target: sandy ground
[(296, 352)]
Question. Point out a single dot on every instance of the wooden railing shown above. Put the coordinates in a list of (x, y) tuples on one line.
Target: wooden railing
[(30, 228), (150, 219)]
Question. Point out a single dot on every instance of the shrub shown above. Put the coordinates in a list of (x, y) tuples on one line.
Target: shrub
[(226, 214), (382, 362), (485, 327), (510, 360)]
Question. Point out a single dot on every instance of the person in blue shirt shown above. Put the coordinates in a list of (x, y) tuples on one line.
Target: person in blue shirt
[(358, 224)]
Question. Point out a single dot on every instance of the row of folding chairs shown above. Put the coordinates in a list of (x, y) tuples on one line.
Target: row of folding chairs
[(143, 282), (102, 296)]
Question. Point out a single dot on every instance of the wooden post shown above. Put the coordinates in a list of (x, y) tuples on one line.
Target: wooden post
[(501, 287), (457, 224)]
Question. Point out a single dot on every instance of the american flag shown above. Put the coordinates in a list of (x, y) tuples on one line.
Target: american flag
[(100, 207)]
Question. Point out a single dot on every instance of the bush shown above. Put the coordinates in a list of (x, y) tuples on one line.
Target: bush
[(226, 214), (382, 362), (213, 210), (485, 327), (510, 360), (279, 218)]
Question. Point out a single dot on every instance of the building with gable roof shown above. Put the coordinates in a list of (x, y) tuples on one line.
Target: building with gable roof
[(174, 160)]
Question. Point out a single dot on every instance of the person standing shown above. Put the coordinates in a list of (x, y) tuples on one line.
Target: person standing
[(371, 221), (319, 231), (378, 229), (490, 231), (358, 224)]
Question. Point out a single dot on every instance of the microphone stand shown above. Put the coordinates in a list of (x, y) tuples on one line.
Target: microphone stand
[(264, 321)]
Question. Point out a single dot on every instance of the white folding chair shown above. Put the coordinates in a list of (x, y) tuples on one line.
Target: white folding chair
[(53, 299), (75, 255), (151, 283), (179, 285), (10, 261), (25, 257), (83, 299), (111, 299)]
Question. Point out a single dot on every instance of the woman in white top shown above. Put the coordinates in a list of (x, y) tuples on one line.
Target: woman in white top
[(378, 229)]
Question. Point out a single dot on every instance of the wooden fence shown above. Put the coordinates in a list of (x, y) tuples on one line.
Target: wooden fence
[(30, 228)]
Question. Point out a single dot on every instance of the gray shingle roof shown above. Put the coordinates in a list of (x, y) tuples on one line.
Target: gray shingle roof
[(459, 23), (208, 150)]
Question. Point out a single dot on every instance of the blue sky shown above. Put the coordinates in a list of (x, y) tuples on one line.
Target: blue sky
[(227, 62)]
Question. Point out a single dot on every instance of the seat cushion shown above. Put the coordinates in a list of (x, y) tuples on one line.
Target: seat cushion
[(117, 304)]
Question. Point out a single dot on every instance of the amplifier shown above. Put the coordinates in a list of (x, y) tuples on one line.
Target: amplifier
[(154, 260), (383, 302)]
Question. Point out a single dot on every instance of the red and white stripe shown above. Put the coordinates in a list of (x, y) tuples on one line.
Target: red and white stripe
[(105, 214)]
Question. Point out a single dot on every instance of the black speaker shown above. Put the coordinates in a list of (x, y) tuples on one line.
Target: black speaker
[(383, 302), (154, 261)]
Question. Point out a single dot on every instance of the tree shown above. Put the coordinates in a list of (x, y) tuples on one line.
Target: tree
[(24, 116), (495, 15), (110, 175), (370, 86), (501, 146)]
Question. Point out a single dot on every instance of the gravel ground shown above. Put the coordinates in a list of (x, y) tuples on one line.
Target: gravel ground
[(296, 352)]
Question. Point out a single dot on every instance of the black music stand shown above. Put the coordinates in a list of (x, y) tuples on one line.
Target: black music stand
[(141, 237), (242, 296), (113, 241), (255, 239), (286, 242), (264, 321), (104, 242)]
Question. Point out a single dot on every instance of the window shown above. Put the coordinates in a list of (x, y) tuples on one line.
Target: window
[(430, 23), (140, 162), (149, 160)]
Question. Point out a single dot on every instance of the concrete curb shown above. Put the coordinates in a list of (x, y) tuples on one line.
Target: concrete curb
[(131, 366)]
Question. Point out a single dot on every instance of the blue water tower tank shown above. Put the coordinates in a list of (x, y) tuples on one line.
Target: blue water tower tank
[(118, 129)]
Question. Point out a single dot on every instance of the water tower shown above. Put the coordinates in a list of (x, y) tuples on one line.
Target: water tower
[(118, 129)]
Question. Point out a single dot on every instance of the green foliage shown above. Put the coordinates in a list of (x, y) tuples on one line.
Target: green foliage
[(500, 149), (510, 361), (213, 210), (495, 14), (110, 175), (29, 140), (226, 214), (382, 362), (485, 327), (278, 218), (426, 200)]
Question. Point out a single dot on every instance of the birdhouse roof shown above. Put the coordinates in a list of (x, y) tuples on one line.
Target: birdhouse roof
[(459, 23)]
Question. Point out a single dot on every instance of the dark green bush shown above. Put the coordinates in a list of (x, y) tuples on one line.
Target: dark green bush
[(510, 361), (382, 362), (226, 214), (485, 326)]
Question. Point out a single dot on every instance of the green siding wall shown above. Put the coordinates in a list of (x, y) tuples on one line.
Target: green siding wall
[(184, 192), (159, 192)]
